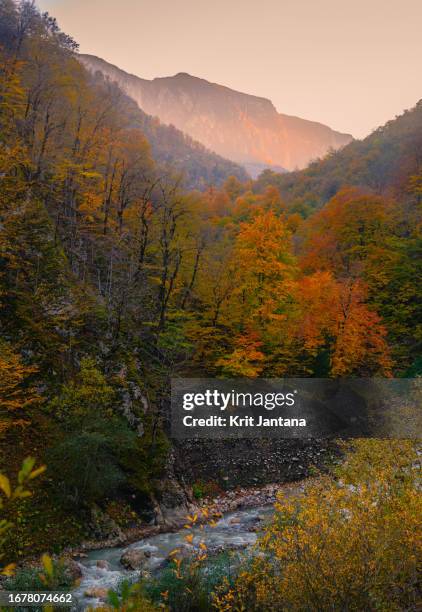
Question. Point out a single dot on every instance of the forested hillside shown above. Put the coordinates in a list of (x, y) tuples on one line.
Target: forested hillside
[(174, 150), (387, 162), (114, 276)]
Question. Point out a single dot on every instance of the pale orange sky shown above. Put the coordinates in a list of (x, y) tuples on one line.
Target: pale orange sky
[(351, 64)]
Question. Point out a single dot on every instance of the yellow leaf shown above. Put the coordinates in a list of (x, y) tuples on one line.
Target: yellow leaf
[(47, 564), (37, 472), (5, 485), (9, 569)]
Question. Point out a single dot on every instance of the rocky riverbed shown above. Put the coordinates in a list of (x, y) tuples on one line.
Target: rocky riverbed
[(240, 498), (243, 514)]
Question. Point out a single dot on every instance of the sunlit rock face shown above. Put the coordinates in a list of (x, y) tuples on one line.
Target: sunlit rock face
[(246, 129)]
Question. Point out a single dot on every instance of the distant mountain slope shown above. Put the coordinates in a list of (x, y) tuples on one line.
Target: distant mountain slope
[(383, 162), (255, 168), (238, 126), (170, 147), (200, 166)]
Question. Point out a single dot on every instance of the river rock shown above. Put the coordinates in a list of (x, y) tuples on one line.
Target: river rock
[(97, 592), (134, 559), (103, 564), (72, 569)]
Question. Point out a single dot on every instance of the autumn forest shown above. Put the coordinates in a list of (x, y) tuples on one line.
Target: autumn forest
[(121, 268)]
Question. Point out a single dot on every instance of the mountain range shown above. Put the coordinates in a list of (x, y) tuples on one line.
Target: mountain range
[(243, 128)]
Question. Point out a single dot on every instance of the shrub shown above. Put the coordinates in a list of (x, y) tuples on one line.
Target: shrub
[(202, 489), (350, 544), (189, 588), (128, 598), (198, 490), (86, 466), (30, 579), (86, 462), (10, 497)]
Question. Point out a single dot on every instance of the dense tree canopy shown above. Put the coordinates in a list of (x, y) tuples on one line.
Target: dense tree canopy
[(113, 276)]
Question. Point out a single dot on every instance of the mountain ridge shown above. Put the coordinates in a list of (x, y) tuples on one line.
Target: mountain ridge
[(385, 162), (244, 128), (172, 148)]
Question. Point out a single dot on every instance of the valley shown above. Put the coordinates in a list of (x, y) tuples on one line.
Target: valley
[(173, 228)]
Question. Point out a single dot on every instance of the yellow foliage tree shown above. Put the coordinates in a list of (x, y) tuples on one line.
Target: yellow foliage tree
[(246, 359), (266, 267), (15, 394), (349, 544)]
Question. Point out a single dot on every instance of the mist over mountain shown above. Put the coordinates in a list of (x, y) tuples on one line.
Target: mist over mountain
[(244, 128)]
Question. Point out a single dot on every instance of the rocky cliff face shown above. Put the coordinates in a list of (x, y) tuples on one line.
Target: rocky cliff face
[(246, 129)]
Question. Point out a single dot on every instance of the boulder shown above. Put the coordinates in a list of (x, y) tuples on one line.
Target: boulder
[(103, 564), (134, 559), (72, 569), (97, 592)]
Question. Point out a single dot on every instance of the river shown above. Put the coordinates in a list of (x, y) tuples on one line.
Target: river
[(231, 531)]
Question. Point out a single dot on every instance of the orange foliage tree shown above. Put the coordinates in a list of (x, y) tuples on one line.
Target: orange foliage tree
[(334, 314), (342, 235)]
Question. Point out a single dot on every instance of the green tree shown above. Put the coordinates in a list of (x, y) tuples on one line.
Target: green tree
[(87, 461)]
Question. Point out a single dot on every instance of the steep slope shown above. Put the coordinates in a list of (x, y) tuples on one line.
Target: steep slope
[(170, 146), (241, 127), (173, 149), (384, 162)]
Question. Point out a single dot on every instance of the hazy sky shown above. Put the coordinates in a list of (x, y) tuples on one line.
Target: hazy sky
[(351, 64)]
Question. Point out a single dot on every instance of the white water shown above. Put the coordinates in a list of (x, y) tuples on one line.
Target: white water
[(230, 531)]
